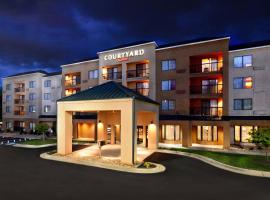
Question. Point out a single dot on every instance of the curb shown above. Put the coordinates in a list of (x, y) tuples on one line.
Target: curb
[(158, 169), (28, 146), (220, 165)]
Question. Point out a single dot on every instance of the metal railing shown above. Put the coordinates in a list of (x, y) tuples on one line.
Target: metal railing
[(112, 76), (206, 111), (19, 101), (142, 91), (19, 89), (206, 67), (19, 112), (74, 82), (138, 73), (206, 89)]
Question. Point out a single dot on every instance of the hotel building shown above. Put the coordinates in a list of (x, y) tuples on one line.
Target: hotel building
[(209, 93), (30, 98)]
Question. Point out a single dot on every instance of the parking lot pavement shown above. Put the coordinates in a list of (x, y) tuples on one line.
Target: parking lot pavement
[(24, 175)]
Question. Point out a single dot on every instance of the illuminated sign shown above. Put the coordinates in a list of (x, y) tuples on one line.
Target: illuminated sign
[(124, 56)]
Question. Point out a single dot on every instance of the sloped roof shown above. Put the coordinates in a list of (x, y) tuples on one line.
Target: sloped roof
[(108, 90), (250, 45), (28, 72)]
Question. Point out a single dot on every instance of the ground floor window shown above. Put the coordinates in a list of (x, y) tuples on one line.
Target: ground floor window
[(8, 125), (241, 133), (207, 133), (32, 125), (171, 132)]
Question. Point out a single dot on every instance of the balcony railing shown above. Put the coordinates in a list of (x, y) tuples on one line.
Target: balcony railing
[(206, 67), (19, 101), (138, 73), (112, 76), (19, 112), (142, 91), (20, 89), (69, 83), (206, 89), (206, 111)]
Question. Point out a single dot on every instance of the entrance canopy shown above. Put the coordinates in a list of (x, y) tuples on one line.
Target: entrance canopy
[(129, 108)]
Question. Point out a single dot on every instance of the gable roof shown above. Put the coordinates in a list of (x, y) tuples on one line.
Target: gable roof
[(108, 90)]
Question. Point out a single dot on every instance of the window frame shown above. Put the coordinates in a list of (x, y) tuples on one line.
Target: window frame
[(47, 95), (32, 109), (168, 104), (169, 84), (49, 108), (242, 59), (93, 71), (243, 82), (168, 65), (46, 85), (32, 84), (242, 103), (212, 134)]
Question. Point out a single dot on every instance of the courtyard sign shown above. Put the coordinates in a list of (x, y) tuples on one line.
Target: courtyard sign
[(123, 56)]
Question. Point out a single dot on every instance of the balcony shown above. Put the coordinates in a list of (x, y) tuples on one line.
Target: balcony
[(138, 73), (112, 76), (71, 83), (206, 111), (142, 91), (19, 101), (206, 89), (19, 112), (207, 67), (19, 89)]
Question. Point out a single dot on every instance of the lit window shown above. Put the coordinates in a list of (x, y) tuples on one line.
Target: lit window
[(207, 133), (171, 132), (168, 85), (248, 82), (32, 109), (242, 82), (167, 65), (93, 74), (241, 133), (242, 61)]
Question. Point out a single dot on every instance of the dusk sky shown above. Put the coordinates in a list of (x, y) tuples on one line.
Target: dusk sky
[(45, 34)]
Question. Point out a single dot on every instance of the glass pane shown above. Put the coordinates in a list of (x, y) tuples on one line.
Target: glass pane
[(237, 133), (237, 104), (172, 84), (238, 61), (172, 64), (169, 132), (177, 132), (164, 105), (171, 105), (245, 131), (238, 83), (165, 65), (205, 132), (163, 132), (165, 85), (247, 104), (247, 61), (248, 82)]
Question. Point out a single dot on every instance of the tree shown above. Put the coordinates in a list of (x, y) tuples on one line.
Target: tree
[(261, 138), (41, 129)]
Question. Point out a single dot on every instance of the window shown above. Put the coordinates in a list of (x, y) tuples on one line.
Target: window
[(8, 98), (32, 96), (32, 109), (242, 104), (8, 125), (32, 84), (167, 65), (241, 133), (32, 125), (242, 83), (168, 105), (207, 133), (47, 108), (93, 74), (47, 83), (8, 86), (171, 132), (168, 85), (8, 110), (242, 61), (47, 96)]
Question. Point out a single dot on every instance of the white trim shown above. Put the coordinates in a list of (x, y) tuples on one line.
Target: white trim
[(77, 63), (127, 47), (13, 76), (250, 48), (181, 45)]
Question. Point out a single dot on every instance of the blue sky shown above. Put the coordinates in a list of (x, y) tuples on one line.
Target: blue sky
[(45, 34)]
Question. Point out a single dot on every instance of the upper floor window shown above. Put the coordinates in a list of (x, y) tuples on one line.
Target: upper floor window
[(8, 86), (168, 104), (47, 96), (93, 74), (32, 96), (242, 104), (47, 83), (32, 84), (47, 108), (242, 83), (32, 109), (8, 98), (167, 65), (8, 110), (168, 85), (242, 61)]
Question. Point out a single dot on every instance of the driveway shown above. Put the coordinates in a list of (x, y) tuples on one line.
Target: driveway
[(23, 175)]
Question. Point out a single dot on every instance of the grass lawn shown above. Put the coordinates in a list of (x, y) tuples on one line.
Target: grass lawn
[(237, 160), (39, 142)]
